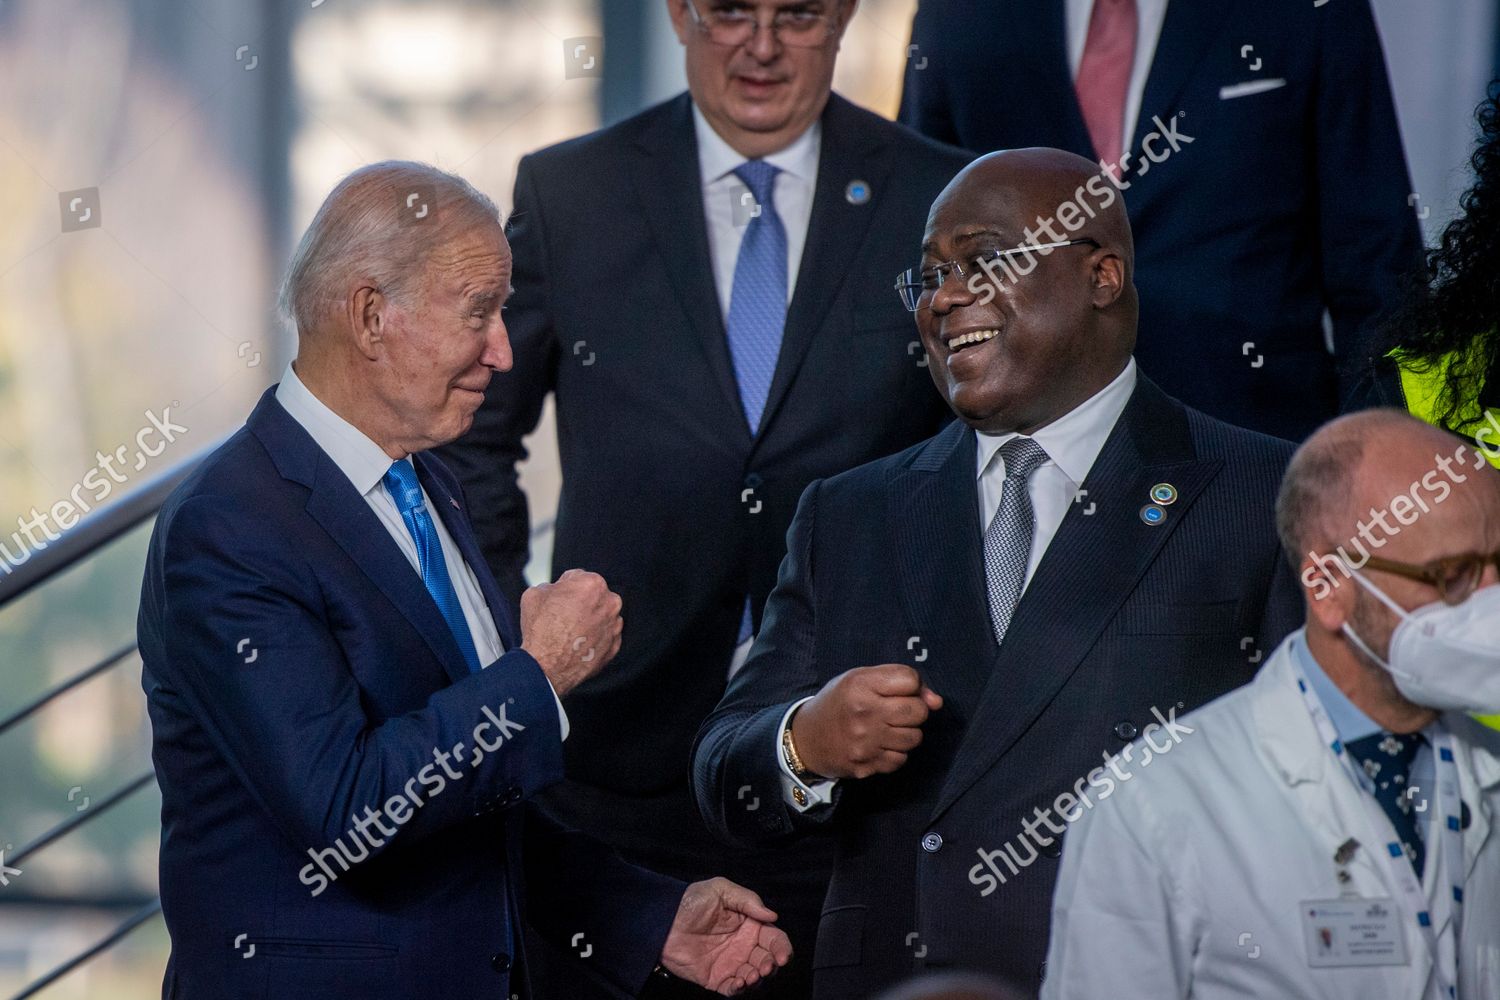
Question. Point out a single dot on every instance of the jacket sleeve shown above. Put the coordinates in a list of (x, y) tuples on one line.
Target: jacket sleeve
[(1118, 916), (580, 886), (1369, 240), (486, 458), (291, 723), (736, 770)]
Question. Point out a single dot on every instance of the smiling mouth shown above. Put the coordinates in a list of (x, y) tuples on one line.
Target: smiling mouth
[(969, 339)]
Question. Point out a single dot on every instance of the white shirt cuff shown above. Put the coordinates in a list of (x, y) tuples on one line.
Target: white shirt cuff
[(798, 795), (562, 716)]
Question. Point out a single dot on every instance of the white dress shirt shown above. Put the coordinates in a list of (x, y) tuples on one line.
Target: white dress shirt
[(722, 190), (365, 464), (1072, 443), (1149, 17)]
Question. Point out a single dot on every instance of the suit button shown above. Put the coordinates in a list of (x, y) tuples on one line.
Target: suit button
[(512, 795), (753, 480), (1126, 730), (1052, 850), (932, 843), (500, 963)]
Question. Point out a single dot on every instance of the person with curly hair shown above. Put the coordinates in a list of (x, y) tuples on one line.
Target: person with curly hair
[(1441, 356)]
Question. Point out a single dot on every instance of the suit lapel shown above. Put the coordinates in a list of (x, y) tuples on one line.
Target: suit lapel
[(450, 510), (1041, 33), (670, 188), (835, 232), (933, 505), (1186, 36), (1092, 564)]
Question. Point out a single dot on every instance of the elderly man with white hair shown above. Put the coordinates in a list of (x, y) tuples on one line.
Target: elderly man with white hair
[(348, 717), (1332, 829)]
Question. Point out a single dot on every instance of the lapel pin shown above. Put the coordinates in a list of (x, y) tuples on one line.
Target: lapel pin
[(454, 503), (857, 193), (1153, 515), (1164, 494)]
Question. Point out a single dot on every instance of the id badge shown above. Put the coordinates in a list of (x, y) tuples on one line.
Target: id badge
[(1340, 933)]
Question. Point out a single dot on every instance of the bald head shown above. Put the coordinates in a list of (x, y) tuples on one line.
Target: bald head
[(1359, 464), (381, 225), (1037, 183), (1044, 313)]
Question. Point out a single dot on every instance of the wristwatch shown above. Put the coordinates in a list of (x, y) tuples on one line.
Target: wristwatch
[(794, 760)]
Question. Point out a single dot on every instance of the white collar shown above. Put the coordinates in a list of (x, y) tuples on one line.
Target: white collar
[(358, 457), (716, 158), (1073, 441)]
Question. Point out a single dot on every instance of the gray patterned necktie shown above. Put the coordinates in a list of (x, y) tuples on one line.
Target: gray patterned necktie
[(1007, 541)]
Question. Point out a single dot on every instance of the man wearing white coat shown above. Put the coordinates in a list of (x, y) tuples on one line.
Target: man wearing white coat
[(1332, 829)]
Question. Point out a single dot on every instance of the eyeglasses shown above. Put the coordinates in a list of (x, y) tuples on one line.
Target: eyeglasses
[(917, 285), (1454, 577), (734, 24)]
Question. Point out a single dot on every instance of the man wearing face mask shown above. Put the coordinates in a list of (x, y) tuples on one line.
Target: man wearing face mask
[(1333, 828)]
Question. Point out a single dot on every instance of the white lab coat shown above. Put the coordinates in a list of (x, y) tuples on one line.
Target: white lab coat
[(1187, 881)]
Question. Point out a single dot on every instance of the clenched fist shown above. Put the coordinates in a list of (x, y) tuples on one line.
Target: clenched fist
[(571, 627), (864, 721)]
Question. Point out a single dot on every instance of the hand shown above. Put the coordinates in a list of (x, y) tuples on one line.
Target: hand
[(571, 627), (864, 721), (722, 938)]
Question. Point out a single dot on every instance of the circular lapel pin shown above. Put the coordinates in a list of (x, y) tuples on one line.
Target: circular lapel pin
[(1153, 515), (1164, 494), (857, 193)]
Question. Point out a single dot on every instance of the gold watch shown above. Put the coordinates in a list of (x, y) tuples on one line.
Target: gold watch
[(793, 759)]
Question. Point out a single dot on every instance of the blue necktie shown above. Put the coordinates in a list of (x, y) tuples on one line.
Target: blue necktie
[(757, 303), (401, 483), (1387, 758)]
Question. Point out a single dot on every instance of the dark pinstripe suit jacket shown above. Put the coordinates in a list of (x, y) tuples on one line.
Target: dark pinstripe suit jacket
[(1121, 617)]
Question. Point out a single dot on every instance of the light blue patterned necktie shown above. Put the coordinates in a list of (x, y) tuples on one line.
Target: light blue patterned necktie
[(401, 483), (757, 303)]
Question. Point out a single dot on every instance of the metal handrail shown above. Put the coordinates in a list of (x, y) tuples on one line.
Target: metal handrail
[(41, 701), (73, 822), (142, 915), (98, 529)]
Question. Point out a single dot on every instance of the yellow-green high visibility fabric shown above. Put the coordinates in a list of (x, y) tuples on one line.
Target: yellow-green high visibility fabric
[(1421, 390)]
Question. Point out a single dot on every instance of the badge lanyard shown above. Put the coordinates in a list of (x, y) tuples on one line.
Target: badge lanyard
[(1405, 876)]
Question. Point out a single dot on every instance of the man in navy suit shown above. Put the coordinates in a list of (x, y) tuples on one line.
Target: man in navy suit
[(964, 632), (1259, 156), (348, 718), (705, 288)]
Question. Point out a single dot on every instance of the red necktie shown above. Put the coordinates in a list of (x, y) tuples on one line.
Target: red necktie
[(1104, 77)]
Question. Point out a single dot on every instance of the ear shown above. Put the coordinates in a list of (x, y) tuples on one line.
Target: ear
[(1329, 589), (681, 19), (368, 319), (1108, 277)]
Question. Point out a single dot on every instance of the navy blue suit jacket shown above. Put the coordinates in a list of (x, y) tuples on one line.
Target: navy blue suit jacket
[(884, 565), (297, 674), (1288, 200)]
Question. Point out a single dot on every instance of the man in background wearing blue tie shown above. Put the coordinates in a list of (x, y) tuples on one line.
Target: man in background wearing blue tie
[(706, 289), (348, 715)]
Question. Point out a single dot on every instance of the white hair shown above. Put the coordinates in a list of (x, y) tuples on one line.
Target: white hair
[(369, 228)]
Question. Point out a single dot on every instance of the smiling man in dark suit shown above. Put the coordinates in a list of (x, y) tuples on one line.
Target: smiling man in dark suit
[(963, 632), (706, 288), (1261, 162), (344, 806)]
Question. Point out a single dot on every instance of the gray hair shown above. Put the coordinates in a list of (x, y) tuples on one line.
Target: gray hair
[(373, 226)]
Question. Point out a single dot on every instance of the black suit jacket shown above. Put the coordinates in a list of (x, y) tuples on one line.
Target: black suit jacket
[(665, 493), (884, 564), (1287, 202)]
